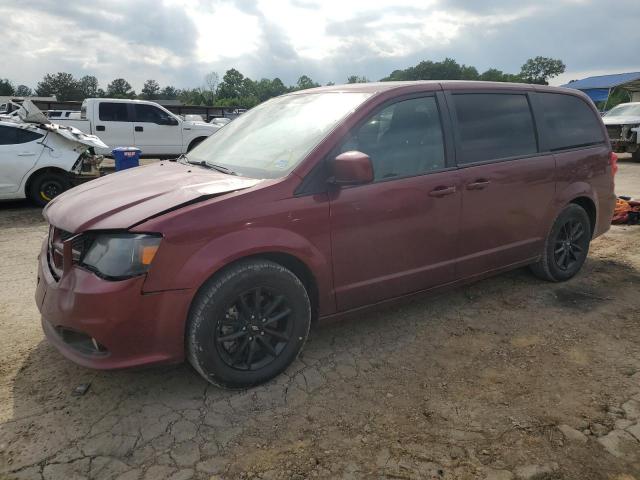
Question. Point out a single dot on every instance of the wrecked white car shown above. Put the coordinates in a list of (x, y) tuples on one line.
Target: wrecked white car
[(623, 126), (39, 160)]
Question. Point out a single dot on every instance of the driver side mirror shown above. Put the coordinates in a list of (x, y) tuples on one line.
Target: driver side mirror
[(351, 168)]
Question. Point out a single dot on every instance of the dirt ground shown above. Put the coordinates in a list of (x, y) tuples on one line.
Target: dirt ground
[(508, 378)]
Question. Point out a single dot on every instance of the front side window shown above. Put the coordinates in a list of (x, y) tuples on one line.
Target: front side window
[(403, 139), (270, 140), (570, 122), (150, 114), (113, 112), (493, 126)]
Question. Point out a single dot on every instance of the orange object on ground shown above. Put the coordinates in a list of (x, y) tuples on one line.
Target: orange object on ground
[(624, 209)]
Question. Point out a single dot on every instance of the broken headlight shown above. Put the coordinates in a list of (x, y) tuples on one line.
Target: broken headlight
[(117, 256)]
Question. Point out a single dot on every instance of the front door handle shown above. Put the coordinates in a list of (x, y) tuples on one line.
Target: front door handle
[(478, 184), (442, 191), (139, 129), (26, 154), (100, 128)]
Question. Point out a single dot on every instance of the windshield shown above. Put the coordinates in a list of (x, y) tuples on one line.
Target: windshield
[(625, 109), (270, 140)]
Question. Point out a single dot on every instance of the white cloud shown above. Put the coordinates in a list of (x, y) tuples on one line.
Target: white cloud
[(178, 41)]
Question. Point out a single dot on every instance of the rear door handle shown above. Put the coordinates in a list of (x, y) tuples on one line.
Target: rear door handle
[(139, 129), (26, 154), (442, 191), (478, 184), (100, 128)]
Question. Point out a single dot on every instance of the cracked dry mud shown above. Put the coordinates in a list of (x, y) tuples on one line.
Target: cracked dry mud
[(507, 378)]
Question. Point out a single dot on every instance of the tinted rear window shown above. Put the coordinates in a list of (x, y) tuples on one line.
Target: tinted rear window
[(8, 135), (113, 112), (492, 126), (25, 136), (570, 121), (14, 135)]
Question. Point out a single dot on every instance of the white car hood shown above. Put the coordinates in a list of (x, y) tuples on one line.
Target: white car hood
[(621, 120)]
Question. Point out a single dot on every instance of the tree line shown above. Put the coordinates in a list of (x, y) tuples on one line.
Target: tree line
[(237, 90)]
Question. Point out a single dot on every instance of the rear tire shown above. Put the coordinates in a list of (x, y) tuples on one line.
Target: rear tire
[(635, 156), (566, 247), (45, 186), (247, 324)]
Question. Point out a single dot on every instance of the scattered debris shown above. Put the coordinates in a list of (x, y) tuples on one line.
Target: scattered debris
[(81, 389), (627, 211)]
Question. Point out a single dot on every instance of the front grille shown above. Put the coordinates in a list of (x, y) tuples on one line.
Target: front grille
[(614, 131), (55, 253)]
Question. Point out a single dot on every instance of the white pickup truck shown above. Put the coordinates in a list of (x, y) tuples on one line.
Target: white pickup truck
[(138, 123)]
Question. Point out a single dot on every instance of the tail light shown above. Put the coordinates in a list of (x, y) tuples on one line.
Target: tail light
[(613, 161)]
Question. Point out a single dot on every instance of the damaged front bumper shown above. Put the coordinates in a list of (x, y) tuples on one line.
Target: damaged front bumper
[(105, 324)]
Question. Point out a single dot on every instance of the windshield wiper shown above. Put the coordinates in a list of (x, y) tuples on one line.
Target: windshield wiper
[(220, 168), (201, 163)]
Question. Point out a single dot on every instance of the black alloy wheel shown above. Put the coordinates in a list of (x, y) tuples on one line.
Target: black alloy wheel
[(566, 246), (255, 329), (570, 245), (247, 323)]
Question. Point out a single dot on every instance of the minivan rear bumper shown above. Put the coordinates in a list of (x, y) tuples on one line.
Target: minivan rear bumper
[(104, 324)]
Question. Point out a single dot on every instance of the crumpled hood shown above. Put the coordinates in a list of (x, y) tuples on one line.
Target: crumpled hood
[(123, 199), (75, 135), (29, 114), (621, 120)]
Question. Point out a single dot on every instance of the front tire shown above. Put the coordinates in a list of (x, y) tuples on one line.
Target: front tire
[(247, 324), (566, 246), (635, 156), (46, 186)]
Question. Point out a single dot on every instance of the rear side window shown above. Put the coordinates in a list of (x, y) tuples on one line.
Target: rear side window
[(12, 135), (25, 136), (491, 126), (8, 135), (113, 112), (569, 121)]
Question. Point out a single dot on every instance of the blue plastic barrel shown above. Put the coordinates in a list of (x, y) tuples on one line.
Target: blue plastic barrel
[(126, 157)]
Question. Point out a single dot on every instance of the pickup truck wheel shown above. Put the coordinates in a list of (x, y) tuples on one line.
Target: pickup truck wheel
[(195, 142), (566, 246), (46, 186), (635, 156), (247, 324)]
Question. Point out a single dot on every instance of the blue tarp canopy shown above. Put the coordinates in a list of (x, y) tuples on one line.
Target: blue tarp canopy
[(598, 88)]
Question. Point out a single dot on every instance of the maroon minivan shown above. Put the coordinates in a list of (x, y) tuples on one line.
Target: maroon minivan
[(316, 203)]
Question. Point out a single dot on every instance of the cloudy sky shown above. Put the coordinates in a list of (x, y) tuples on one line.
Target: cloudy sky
[(177, 42)]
